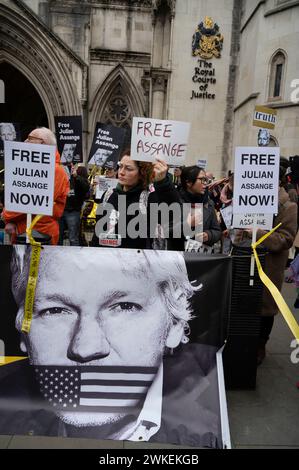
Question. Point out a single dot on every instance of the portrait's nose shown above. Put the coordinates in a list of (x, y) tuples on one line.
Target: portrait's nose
[(88, 342)]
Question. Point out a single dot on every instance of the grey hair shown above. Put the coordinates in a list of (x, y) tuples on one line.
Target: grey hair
[(49, 136)]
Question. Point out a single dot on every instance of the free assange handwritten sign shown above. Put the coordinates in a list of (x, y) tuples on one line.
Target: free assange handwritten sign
[(152, 138), (29, 177), (256, 180)]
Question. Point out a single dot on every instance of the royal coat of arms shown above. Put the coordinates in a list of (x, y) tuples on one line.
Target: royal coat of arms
[(207, 40)]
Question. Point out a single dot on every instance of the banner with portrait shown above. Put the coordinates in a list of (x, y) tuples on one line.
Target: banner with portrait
[(123, 344), (107, 145), (8, 131), (68, 131)]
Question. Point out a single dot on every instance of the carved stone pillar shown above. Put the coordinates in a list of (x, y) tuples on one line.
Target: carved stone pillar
[(146, 85), (159, 92)]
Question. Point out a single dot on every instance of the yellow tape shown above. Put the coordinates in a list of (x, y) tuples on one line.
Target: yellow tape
[(279, 300), (9, 359), (29, 230), (32, 279)]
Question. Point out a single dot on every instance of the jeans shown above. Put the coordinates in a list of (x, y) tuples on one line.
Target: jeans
[(70, 221)]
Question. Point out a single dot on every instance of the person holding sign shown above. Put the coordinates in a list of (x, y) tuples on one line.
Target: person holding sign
[(277, 246), (134, 177), (195, 191), (16, 222), (70, 219), (108, 352)]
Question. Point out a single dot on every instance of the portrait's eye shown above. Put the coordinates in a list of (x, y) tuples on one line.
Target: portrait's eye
[(126, 307), (54, 311)]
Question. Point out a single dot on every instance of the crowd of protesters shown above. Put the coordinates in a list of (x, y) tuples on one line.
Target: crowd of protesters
[(142, 184)]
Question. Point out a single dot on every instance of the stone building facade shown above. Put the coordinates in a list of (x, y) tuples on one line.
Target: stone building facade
[(110, 60), (268, 72)]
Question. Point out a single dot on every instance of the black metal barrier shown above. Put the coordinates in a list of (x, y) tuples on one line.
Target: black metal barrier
[(240, 352)]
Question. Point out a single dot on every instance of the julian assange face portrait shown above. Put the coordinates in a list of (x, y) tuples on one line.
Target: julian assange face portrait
[(7, 131), (100, 156), (68, 153), (263, 137), (102, 307)]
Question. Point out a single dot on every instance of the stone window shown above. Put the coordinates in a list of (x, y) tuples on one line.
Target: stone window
[(118, 110), (277, 71)]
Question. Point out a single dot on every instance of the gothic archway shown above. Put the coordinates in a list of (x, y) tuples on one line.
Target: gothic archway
[(28, 45), (22, 102), (116, 100)]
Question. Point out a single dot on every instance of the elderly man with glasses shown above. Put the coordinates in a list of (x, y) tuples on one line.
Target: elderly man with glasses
[(47, 225)]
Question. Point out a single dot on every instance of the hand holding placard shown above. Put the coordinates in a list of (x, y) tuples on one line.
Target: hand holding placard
[(160, 170)]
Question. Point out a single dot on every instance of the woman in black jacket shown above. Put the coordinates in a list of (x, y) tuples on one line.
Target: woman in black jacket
[(124, 219)]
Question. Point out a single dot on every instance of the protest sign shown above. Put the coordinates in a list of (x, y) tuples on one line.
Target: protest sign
[(262, 221), (264, 117), (29, 177), (202, 163), (8, 131), (263, 137), (256, 180), (107, 144), (227, 214), (152, 138), (69, 138), (103, 184)]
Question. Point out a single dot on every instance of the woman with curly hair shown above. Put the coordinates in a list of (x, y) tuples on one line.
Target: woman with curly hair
[(124, 218)]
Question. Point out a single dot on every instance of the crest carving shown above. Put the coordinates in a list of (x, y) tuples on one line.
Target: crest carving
[(207, 42)]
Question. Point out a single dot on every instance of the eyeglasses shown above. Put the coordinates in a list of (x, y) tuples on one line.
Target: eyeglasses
[(35, 140), (203, 179)]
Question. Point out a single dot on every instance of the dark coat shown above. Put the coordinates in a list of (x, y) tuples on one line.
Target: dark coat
[(164, 192), (79, 187)]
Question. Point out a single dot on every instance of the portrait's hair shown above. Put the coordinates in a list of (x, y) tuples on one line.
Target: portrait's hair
[(69, 147), (11, 128), (189, 175), (167, 269)]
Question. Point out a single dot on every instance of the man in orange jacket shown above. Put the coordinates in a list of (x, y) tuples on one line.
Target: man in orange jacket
[(16, 222)]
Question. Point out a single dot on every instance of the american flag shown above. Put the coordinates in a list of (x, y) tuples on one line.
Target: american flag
[(100, 388)]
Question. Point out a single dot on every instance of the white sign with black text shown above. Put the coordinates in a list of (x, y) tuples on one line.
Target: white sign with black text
[(256, 180), (103, 184), (262, 221), (29, 177), (227, 214), (202, 163)]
